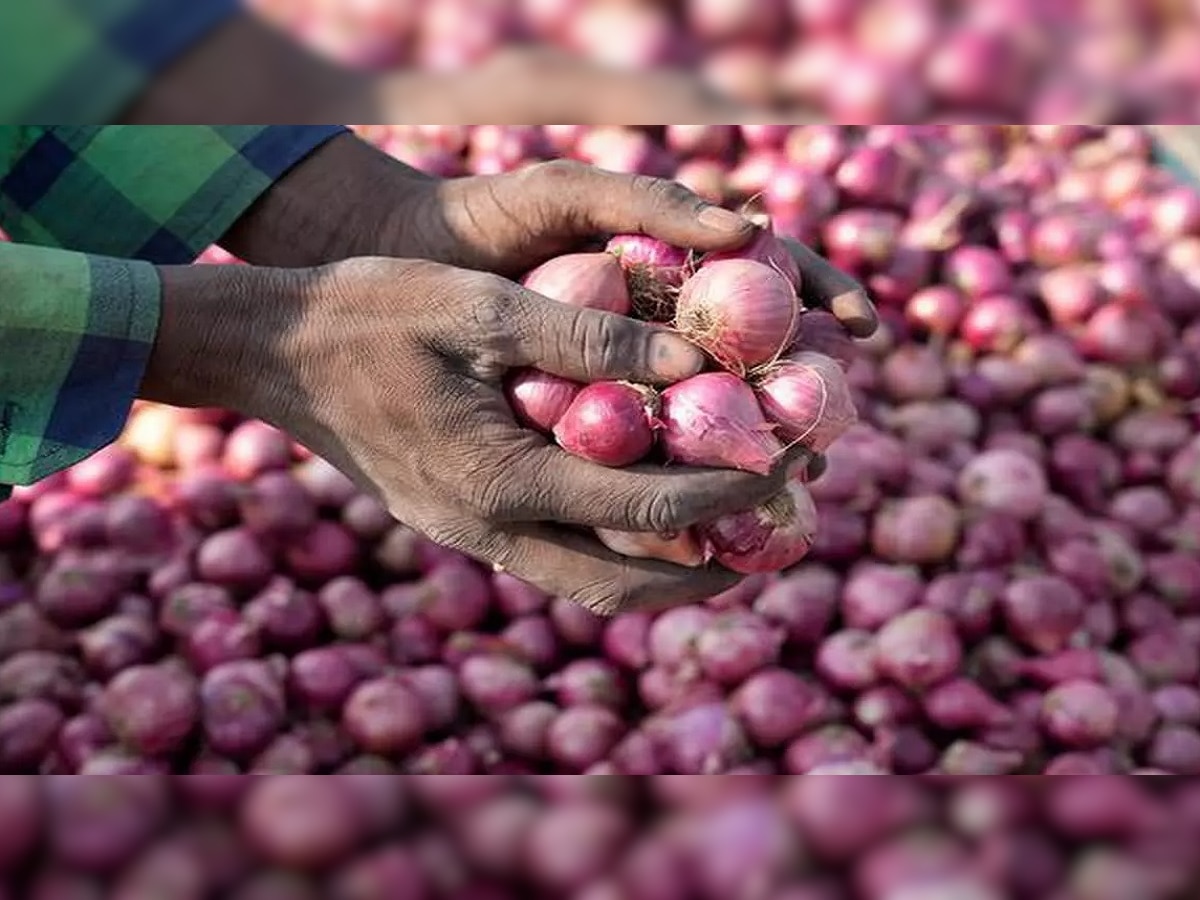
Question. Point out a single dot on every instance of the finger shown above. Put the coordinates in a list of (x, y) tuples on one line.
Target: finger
[(827, 287), (575, 565), (597, 200), (551, 485), (589, 345), (520, 477)]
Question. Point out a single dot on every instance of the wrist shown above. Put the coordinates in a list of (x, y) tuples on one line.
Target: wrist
[(346, 199), (222, 336)]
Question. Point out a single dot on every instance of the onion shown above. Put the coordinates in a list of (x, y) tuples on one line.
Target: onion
[(916, 530), (682, 549), (807, 395), (1080, 714), (610, 423), (1005, 481), (764, 248), (592, 280), (654, 270), (741, 311), (768, 538), (918, 648), (713, 419), (539, 399)]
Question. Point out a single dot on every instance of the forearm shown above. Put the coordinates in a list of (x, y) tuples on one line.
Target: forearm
[(220, 336), (345, 199)]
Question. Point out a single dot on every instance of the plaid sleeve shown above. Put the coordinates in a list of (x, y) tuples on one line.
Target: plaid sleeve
[(161, 193), (84, 60), (75, 334)]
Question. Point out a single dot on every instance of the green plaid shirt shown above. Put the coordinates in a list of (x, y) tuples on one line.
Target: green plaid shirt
[(103, 205)]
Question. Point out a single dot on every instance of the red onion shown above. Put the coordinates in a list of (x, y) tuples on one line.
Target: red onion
[(807, 395), (1043, 611), (682, 549), (538, 399), (735, 645), (152, 709), (875, 593), (610, 423), (1006, 481), (848, 659), (918, 648), (592, 280), (769, 538), (713, 419), (764, 248), (653, 269), (703, 739), (384, 716), (742, 312), (1080, 714), (583, 735), (916, 530)]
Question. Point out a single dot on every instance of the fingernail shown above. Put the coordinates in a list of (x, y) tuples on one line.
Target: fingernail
[(855, 311), (720, 219), (673, 358)]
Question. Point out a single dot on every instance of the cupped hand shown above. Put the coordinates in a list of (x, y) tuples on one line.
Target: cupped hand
[(509, 223), (392, 371)]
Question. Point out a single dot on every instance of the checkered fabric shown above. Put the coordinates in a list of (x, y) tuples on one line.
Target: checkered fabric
[(82, 60), (76, 328)]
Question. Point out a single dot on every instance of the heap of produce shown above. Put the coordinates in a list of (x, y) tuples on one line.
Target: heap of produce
[(851, 60), (1000, 572)]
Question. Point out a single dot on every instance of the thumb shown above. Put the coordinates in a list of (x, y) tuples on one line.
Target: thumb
[(615, 202), (590, 345)]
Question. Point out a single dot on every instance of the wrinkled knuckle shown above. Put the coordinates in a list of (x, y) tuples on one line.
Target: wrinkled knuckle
[(670, 194), (489, 500), (668, 511), (605, 598)]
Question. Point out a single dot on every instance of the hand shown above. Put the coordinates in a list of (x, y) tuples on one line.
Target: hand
[(350, 199), (509, 223), (392, 369)]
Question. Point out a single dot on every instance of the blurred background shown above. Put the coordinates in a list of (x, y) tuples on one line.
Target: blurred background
[(1041, 61)]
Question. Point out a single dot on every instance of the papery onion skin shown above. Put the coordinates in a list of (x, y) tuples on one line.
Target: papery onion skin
[(713, 419), (742, 312), (768, 538), (808, 397)]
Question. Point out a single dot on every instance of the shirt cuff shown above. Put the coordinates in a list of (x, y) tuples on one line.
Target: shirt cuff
[(76, 332), (161, 193)]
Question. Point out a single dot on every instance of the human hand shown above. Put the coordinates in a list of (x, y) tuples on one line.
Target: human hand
[(350, 199), (391, 370), (509, 223)]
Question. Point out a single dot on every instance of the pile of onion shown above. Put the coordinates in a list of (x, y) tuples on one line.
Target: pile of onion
[(768, 390)]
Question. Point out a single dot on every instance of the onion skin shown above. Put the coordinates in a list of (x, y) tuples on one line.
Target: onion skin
[(591, 280), (610, 423), (768, 538), (742, 312), (713, 419), (807, 395)]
